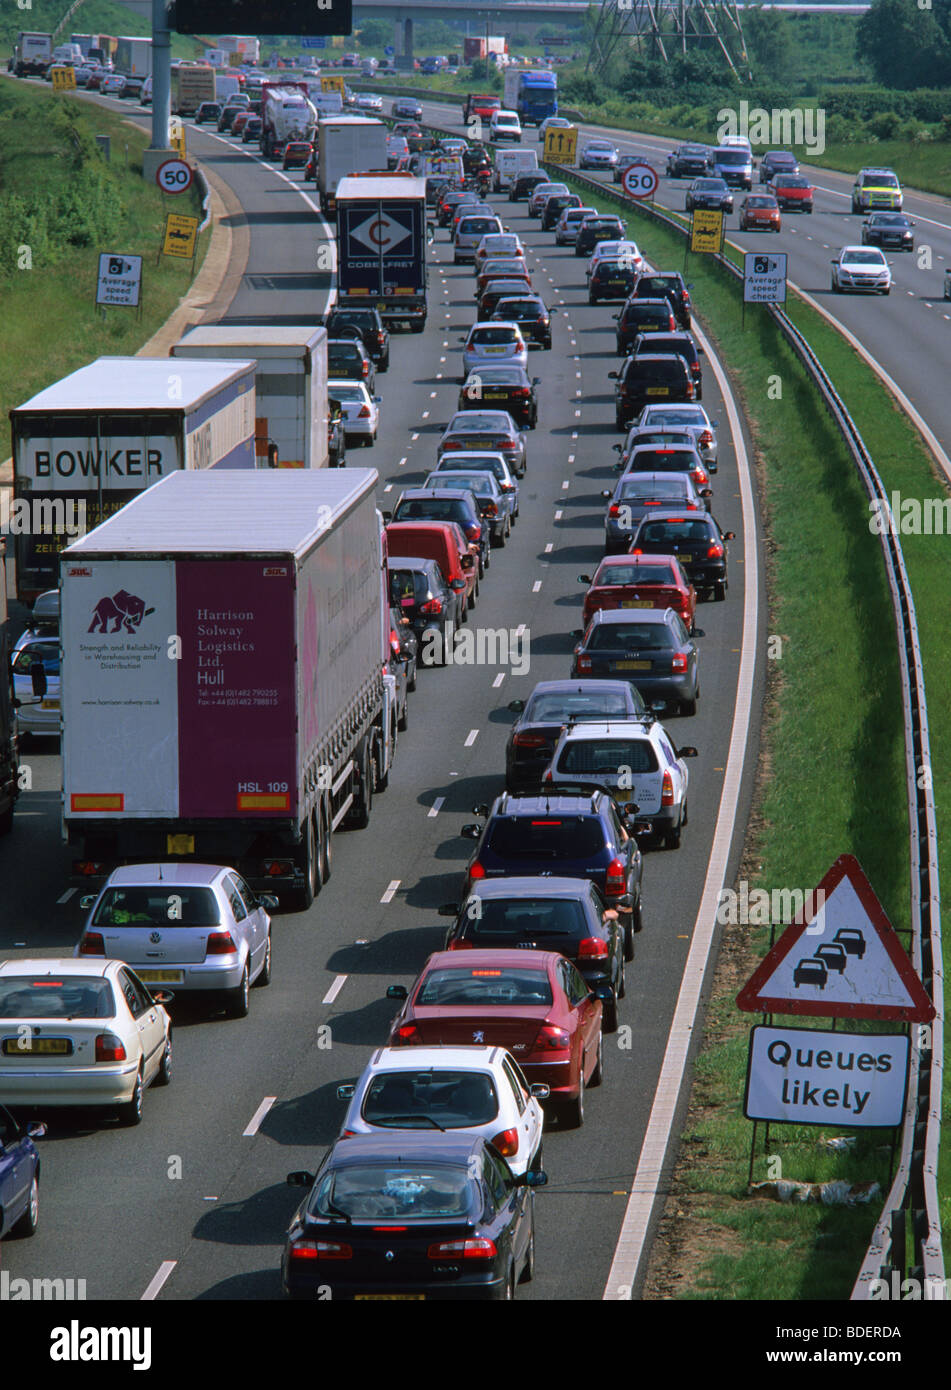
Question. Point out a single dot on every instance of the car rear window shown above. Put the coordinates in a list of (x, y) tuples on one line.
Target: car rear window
[(660, 369), (612, 575), (526, 917), (607, 756), (431, 509), (454, 1099), (655, 487), (469, 225), (630, 636), (485, 987), (492, 335), (546, 837), (169, 907), (56, 996), (674, 533), (407, 587), (653, 460), (381, 1191)]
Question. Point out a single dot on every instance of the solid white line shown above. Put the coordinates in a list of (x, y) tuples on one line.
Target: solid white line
[(435, 808), (498, 680), (390, 893), (471, 737), (254, 1124), (646, 1189), (155, 1287), (66, 896), (334, 989)]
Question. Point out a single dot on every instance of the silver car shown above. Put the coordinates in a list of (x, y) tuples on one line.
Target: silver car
[(487, 431), (536, 202), (38, 715), (566, 228), (469, 232), (598, 154), (493, 344), (197, 927), (478, 475), (691, 418)]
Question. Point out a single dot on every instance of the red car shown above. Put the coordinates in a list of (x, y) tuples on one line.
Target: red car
[(792, 191), (502, 268), (759, 212), (640, 581), (297, 154), (534, 1003)]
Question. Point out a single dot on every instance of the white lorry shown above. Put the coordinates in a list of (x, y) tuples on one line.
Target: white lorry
[(347, 145), (286, 114)]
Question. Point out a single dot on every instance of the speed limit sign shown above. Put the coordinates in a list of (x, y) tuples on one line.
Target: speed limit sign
[(174, 176), (639, 181)]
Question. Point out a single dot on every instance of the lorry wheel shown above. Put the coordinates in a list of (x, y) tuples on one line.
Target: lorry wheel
[(382, 778), (326, 848), (360, 818)]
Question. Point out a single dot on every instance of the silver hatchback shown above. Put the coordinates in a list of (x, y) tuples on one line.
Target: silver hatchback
[(470, 231), (193, 927), (493, 345)]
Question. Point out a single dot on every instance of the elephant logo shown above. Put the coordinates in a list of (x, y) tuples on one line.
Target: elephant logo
[(123, 610)]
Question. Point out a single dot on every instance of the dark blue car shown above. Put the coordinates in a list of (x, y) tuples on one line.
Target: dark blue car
[(19, 1176)]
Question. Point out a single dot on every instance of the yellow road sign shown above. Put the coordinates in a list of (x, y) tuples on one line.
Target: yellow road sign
[(180, 235), (332, 83), (706, 230), (176, 135), (561, 144), (64, 79)]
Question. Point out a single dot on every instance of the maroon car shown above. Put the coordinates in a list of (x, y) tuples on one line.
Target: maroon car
[(297, 154), (535, 1003)]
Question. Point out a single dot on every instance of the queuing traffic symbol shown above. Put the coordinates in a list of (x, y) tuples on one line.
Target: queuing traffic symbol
[(706, 230), (561, 144), (64, 79), (839, 959), (180, 235), (764, 277), (174, 176), (332, 82), (639, 181), (809, 1076)]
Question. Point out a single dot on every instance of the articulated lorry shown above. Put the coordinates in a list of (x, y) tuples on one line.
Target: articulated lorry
[(381, 246), (532, 92), (88, 444), (290, 386), (347, 145), (286, 114), (190, 87), (133, 57), (270, 728)]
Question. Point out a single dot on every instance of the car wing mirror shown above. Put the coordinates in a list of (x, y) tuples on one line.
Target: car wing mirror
[(517, 706), (586, 578), (480, 810), (729, 535), (346, 1092), (687, 752), (300, 1178), (472, 831), (397, 992), (87, 900)]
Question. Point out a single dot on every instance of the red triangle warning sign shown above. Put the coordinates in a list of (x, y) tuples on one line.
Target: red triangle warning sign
[(839, 959)]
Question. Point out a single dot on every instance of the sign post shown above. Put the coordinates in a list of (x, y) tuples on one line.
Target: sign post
[(561, 144)]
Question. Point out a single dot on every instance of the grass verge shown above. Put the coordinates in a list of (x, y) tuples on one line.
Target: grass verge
[(51, 325), (830, 779)]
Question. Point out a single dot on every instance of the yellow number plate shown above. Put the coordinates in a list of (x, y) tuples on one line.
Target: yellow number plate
[(153, 977), (389, 1297), (633, 665), (180, 844), (658, 391), (637, 603), (47, 1047)]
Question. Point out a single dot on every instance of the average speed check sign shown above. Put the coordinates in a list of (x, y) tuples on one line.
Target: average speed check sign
[(174, 176), (639, 181)]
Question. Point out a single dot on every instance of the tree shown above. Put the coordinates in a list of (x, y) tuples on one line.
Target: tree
[(906, 47), (375, 33), (767, 37)]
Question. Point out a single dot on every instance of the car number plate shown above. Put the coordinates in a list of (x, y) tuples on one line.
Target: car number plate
[(494, 395), (637, 603), (685, 556), (170, 977), (179, 844), (50, 704), (632, 665), (30, 1046), (389, 1297), (658, 390)]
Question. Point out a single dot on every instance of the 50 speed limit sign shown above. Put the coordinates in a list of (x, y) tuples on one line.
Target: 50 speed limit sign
[(639, 181), (174, 176)]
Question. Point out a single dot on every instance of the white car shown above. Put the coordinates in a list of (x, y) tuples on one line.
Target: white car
[(862, 268), (479, 1090), (566, 228), (552, 123), (636, 757), (490, 344), (541, 193), (361, 411), (369, 101), (505, 125), (112, 84), (145, 96), (81, 1033), (38, 715), (624, 251), (497, 244)]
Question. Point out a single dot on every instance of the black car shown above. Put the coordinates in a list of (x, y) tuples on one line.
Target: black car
[(662, 284), (419, 591), (438, 504), (373, 335), (688, 161), (506, 287), (207, 111), (502, 388), (709, 193), (552, 914), (889, 229), (696, 540), (524, 186), (611, 279), (649, 379), (645, 315), (650, 647), (530, 312), (348, 359), (252, 131), (680, 343), (336, 434), (595, 229), (448, 203), (550, 706), (227, 114), (777, 162), (414, 1214), (556, 206), (404, 650), (583, 836)]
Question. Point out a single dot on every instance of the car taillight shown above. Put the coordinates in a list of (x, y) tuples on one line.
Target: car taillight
[(406, 1033), (509, 444), (673, 325), (507, 487), (476, 870), (365, 371), (667, 790), (490, 509), (522, 391), (92, 944), (452, 444), (695, 368), (220, 943), (109, 1048), (460, 945), (394, 644), (691, 390), (530, 741), (379, 339), (615, 879), (320, 1250), (506, 1142), (278, 868), (475, 1248), (473, 531), (593, 949), (700, 478), (431, 607), (678, 662), (715, 551), (614, 509), (583, 664), (552, 1039), (363, 413)]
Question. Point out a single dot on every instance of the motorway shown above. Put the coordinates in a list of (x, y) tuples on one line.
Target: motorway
[(192, 1203)]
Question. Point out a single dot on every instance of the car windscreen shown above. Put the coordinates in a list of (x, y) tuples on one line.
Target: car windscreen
[(485, 986), (792, 181), (523, 917), (642, 637), (614, 575), (380, 1191), (55, 996), (863, 258), (545, 837), (607, 756), (155, 906), (454, 1099), (732, 158)]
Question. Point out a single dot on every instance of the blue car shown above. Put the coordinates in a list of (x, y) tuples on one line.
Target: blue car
[(19, 1176)]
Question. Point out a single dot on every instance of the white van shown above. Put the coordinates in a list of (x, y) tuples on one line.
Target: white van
[(226, 85), (510, 164), (505, 125), (326, 103)]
